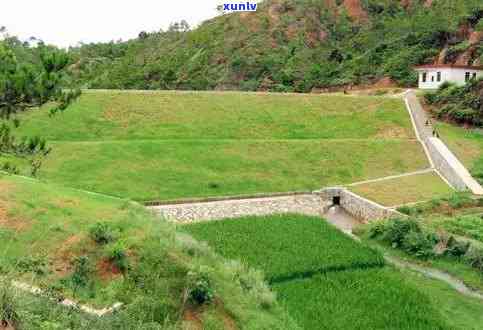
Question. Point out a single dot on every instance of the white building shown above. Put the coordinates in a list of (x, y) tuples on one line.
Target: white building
[(432, 76)]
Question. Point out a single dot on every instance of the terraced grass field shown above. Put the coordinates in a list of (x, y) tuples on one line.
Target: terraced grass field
[(363, 294), (166, 145), (404, 190)]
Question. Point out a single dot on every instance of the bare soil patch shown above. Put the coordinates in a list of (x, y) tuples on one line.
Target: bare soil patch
[(107, 270)]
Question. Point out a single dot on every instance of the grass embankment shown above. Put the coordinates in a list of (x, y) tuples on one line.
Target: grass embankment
[(168, 145), (358, 296), (467, 144), (99, 250), (404, 190)]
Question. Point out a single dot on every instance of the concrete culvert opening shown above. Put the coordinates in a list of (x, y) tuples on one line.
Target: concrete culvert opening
[(336, 200)]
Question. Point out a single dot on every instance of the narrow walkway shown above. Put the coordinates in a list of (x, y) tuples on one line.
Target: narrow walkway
[(428, 170), (442, 159)]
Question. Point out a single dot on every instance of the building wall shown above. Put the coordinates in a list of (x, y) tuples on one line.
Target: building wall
[(454, 75)]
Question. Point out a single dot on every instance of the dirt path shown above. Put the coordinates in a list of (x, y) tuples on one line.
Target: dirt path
[(455, 283)]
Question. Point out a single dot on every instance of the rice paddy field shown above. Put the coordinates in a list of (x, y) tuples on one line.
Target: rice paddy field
[(278, 245), (358, 296), (151, 146)]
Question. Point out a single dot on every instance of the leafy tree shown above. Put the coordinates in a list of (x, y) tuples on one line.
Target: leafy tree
[(29, 78)]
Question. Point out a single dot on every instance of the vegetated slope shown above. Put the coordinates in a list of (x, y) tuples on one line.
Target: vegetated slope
[(404, 190), (100, 250), (324, 278), (291, 45), (167, 145), (460, 104)]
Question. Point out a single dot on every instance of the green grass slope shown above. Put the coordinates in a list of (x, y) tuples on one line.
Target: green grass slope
[(168, 145), (146, 264)]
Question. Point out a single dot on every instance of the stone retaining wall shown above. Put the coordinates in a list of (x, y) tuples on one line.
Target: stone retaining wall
[(310, 204), (452, 169), (357, 206)]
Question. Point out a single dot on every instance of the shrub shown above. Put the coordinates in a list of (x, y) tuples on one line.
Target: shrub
[(396, 230), (200, 290), (459, 200), (404, 209), (8, 307), (82, 271), (117, 254), (419, 244), (474, 257), (456, 248), (103, 233), (253, 282)]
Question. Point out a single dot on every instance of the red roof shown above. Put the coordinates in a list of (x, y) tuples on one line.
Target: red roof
[(449, 66)]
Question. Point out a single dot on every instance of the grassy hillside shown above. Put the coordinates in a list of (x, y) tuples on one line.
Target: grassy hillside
[(290, 45), (166, 145), (99, 250)]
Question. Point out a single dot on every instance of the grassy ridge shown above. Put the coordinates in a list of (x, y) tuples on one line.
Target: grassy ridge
[(231, 115), (285, 246), (358, 299)]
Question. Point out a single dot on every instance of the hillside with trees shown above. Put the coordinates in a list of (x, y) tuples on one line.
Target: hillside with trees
[(291, 45)]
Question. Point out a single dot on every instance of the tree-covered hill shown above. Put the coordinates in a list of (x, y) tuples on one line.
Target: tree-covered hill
[(291, 45)]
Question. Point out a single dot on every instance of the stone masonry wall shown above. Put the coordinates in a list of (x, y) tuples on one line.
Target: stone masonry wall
[(309, 204), (358, 206), (442, 164)]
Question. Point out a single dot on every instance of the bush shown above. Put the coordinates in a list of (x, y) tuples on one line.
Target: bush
[(419, 244), (456, 248), (117, 254), (82, 271), (474, 257), (8, 307), (200, 290), (396, 230), (103, 233)]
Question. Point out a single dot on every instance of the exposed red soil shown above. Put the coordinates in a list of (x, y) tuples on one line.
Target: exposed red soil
[(193, 318), (355, 10), (5, 326), (106, 270), (406, 3), (228, 321), (9, 222), (62, 262)]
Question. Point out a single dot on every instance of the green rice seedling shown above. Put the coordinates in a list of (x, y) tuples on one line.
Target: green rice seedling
[(358, 299), (285, 246)]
